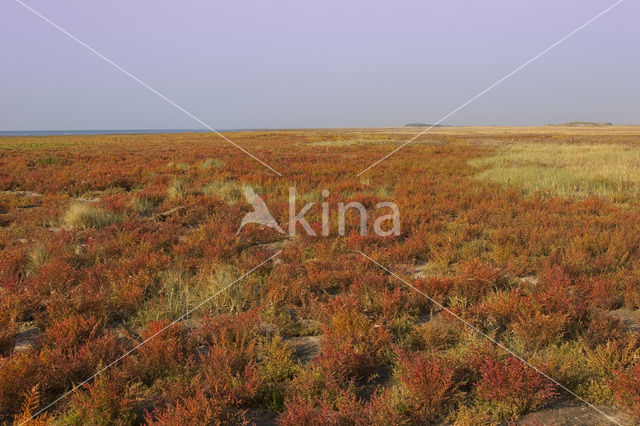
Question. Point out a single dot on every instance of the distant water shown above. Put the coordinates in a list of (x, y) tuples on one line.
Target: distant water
[(107, 132)]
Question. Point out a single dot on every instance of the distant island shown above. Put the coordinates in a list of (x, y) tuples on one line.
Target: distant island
[(583, 124), (424, 125)]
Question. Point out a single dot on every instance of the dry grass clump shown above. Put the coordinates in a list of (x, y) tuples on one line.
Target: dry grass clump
[(83, 216), (337, 143), (351, 142), (566, 170), (143, 205), (180, 292), (212, 163), (179, 166), (177, 189), (35, 258), (229, 191)]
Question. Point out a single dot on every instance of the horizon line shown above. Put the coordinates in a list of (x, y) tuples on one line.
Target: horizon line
[(61, 132)]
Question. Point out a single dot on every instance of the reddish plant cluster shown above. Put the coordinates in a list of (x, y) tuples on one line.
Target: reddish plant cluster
[(514, 386), (427, 385), (626, 388)]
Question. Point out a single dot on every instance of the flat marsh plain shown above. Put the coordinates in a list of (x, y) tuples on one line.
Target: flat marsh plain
[(530, 235)]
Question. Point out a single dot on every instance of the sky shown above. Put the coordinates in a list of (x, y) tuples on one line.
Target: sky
[(301, 64)]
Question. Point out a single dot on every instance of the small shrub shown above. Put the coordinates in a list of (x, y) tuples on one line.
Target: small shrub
[(568, 364), (426, 385), (236, 332), (441, 331), (230, 374), (163, 355), (277, 367), (535, 330), (18, 374), (11, 264), (602, 329), (615, 354), (30, 407), (512, 388), (8, 327), (596, 390), (348, 410), (66, 366), (71, 332), (500, 309), (477, 279), (472, 416), (55, 275), (605, 294), (317, 383), (198, 409), (626, 389), (306, 413), (105, 401), (353, 346)]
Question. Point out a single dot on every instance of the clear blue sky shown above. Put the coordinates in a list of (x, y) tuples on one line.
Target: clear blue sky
[(275, 64)]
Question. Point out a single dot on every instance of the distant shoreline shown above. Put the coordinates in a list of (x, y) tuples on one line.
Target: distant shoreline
[(571, 127), (112, 132)]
